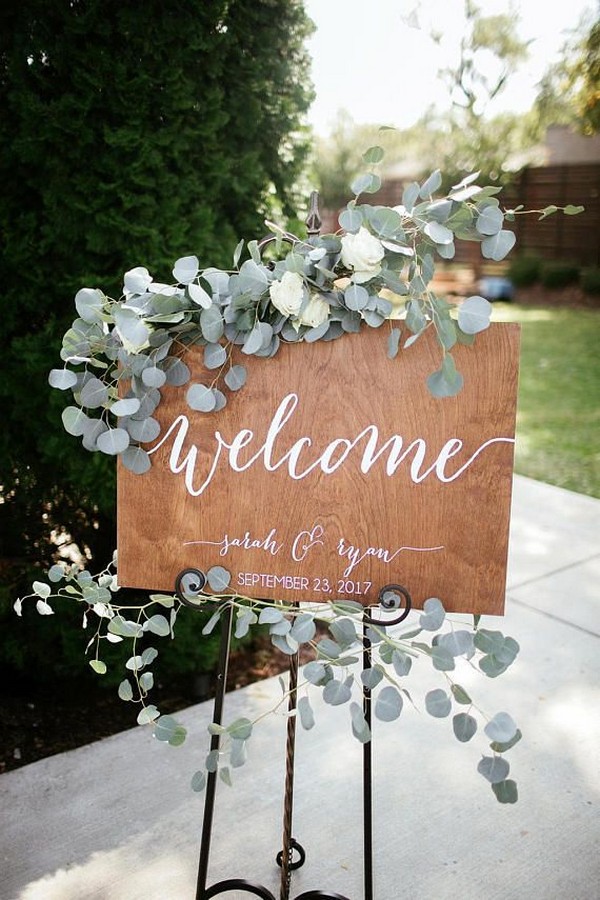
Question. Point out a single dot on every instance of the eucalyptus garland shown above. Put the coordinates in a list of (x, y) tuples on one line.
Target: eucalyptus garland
[(449, 645), (376, 272)]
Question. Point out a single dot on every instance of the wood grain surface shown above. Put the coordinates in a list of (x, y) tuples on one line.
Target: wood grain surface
[(378, 520)]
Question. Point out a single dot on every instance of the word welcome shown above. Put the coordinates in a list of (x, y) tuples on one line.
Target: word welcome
[(272, 452)]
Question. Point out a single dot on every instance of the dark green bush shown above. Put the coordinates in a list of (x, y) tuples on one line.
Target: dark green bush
[(590, 280), (524, 270), (559, 274)]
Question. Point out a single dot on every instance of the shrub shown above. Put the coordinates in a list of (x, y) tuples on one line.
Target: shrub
[(590, 280), (559, 274), (524, 270)]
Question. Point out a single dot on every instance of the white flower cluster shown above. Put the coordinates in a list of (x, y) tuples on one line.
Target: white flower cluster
[(289, 295)]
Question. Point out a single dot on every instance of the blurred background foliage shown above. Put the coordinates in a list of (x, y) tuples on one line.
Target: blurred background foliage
[(131, 134)]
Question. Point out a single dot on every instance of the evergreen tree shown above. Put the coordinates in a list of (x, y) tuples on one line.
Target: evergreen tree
[(132, 133)]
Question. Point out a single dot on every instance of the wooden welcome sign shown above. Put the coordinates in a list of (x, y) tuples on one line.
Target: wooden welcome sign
[(332, 473)]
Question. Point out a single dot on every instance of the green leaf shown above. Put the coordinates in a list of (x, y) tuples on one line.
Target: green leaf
[(56, 573), (149, 655), (387, 223), (236, 377), (254, 341), (241, 729), (153, 377), (126, 407), (218, 578), (474, 314), (460, 695), (431, 185), (433, 615), (253, 279), (446, 382), (506, 791), (329, 649), (438, 703), (307, 718), (199, 296), (225, 776), (89, 303), (393, 343), (125, 690), (269, 616), (491, 667), (41, 590), (243, 622), (317, 672), (198, 781), (147, 715), (366, 184), (62, 379), (571, 210), (93, 394), (113, 441), (343, 632), (498, 747), (133, 332), (337, 692), (98, 666), (214, 356), (458, 643), (388, 704), (371, 677), (185, 269), (442, 659), (212, 761), (211, 323), (237, 754), (446, 332), (489, 221), (200, 398), (499, 245), (360, 729), (351, 219), (489, 641), (124, 627), (493, 768), (501, 728), (356, 297), (237, 253), (303, 630), (157, 624), (464, 727), (373, 155), (439, 234), (402, 663), (410, 195), (136, 460), (508, 652)]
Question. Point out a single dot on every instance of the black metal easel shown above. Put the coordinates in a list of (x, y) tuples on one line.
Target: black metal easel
[(189, 583), (192, 581)]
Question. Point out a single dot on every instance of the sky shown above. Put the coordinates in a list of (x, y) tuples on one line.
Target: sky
[(368, 61)]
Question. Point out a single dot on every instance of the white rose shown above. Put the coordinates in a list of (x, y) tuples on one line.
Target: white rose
[(363, 253), (315, 313), (287, 295)]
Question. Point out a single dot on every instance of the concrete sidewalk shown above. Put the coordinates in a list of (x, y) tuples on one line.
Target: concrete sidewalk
[(116, 820)]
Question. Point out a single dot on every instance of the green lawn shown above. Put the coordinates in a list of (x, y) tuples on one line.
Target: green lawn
[(558, 421)]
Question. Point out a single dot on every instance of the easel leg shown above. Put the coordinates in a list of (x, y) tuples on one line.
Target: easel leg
[(288, 803), (367, 774), (211, 781)]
